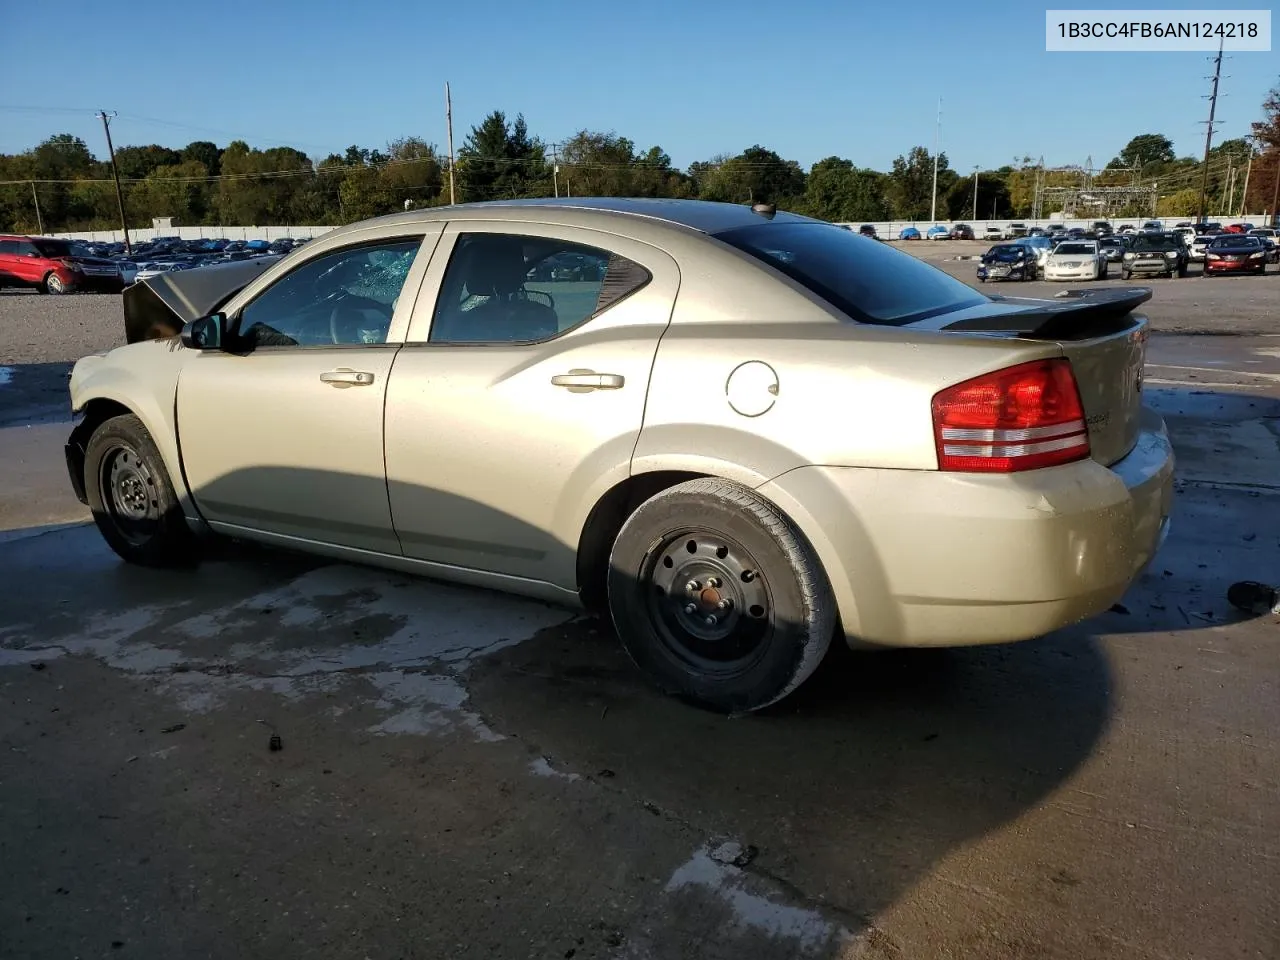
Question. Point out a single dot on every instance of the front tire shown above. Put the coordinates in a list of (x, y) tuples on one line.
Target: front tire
[(53, 285), (132, 498), (718, 597)]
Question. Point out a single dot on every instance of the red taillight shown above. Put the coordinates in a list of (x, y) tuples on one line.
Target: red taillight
[(1019, 418)]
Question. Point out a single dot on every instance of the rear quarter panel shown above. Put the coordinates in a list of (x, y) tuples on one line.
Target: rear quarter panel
[(847, 394)]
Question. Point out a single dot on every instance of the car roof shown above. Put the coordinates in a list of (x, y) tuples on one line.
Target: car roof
[(702, 216)]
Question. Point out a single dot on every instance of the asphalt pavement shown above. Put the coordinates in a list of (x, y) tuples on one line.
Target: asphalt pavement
[(464, 774)]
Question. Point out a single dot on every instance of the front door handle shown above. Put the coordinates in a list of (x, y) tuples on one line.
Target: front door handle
[(357, 378), (580, 381)]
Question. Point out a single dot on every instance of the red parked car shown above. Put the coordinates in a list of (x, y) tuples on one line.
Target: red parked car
[(1233, 253), (54, 266)]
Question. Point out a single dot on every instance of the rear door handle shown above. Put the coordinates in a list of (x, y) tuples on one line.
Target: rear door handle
[(358, 378), (579, 381)]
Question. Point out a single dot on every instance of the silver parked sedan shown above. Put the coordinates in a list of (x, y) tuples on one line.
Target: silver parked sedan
[(739, 432)]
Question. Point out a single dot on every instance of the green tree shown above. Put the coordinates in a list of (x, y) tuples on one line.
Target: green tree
[(1266, 167), (838, 191), (993, 195), (134, 163), (1144, 149), (756, 175), (206, 153), (910, 189), (499, 160)]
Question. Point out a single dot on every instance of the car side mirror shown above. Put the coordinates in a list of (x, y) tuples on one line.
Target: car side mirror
[(206, 333)]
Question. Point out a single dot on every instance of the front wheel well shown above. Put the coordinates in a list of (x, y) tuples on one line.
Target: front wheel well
[(96, 412), (604, 523)]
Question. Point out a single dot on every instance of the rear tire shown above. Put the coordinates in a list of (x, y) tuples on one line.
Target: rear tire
[(779, 613), (53, 285), (132, 498)]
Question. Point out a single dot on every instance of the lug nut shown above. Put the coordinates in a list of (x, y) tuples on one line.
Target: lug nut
[(713, 582), (711, 621), (693, 586), (691, 608), (724, 604)]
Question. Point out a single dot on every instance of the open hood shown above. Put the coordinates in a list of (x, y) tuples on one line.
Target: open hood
[(159, 306)]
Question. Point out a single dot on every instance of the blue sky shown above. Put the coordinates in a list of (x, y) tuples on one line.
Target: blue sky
[(860, 80)]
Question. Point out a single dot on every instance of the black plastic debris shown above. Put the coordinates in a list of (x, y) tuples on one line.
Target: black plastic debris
[(175, 728), (37, 665), (1119, 608), (275, 743), (1254, 597)]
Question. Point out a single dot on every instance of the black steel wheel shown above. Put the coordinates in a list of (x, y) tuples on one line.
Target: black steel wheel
[(132, 498), (718, 597)]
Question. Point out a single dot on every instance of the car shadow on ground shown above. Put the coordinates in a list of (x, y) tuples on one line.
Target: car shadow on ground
[(847, 793)]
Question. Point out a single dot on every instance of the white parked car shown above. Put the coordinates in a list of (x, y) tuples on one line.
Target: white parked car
[(1076, 260), (1199, 244), (992, 232)]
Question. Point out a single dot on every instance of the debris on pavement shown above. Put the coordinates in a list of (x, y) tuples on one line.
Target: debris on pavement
[(37, 665), (275, 744), (1254, 597), (1119, 608), (175, 728), (734, 854)]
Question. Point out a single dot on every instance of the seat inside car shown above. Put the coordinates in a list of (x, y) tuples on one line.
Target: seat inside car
[(493, 267)]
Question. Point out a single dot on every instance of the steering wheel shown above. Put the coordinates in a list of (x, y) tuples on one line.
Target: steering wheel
[(339, 327), (524, 294)]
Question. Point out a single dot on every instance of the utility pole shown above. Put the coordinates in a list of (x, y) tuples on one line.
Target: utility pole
[(1244, 197), (1201, 212), (555, 169), (1275, 190), (1231, 192), (36, 198), (448, 117), (111, 151), (975, 191), (937, 138)]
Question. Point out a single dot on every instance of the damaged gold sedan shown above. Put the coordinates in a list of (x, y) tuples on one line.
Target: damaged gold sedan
[(739, 432)]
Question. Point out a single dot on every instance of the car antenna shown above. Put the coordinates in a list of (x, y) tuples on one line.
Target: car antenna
[(766, 210)]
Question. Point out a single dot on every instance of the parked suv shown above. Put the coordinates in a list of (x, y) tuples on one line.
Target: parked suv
[(1155, 253), (54, 266)]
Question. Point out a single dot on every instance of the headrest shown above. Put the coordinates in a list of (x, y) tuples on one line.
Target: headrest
[(494, 264)]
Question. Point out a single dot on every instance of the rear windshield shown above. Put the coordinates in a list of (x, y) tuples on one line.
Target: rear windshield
[(52, 248), (1079, 248), (869, 281)]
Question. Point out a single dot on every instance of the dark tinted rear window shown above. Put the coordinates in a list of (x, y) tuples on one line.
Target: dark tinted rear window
[(868, 280), (53, 248)]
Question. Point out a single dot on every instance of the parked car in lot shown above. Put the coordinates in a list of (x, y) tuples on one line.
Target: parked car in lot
[(1076, 260), (1152, 226), (868, 230), (938, 232), (556, 440), (1155, 253), (1008, 261), (992, 232), (1112, 248), (1270, 241), (1016, 229), (909, 233), (1042, 246), (1235, 253), (962, 231), (1201, 243), (53, 265), (1101, 229)]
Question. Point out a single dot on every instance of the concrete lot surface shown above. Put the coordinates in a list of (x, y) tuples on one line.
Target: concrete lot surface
[(464, 774)]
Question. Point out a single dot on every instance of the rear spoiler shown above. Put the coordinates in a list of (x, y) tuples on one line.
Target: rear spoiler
[(160, 306), (1071, 315)]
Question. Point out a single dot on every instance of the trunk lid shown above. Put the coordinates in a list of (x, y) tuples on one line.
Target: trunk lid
[(1102, 336)]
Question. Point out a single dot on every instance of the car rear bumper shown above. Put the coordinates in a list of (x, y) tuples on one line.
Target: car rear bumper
[(933, 559)]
